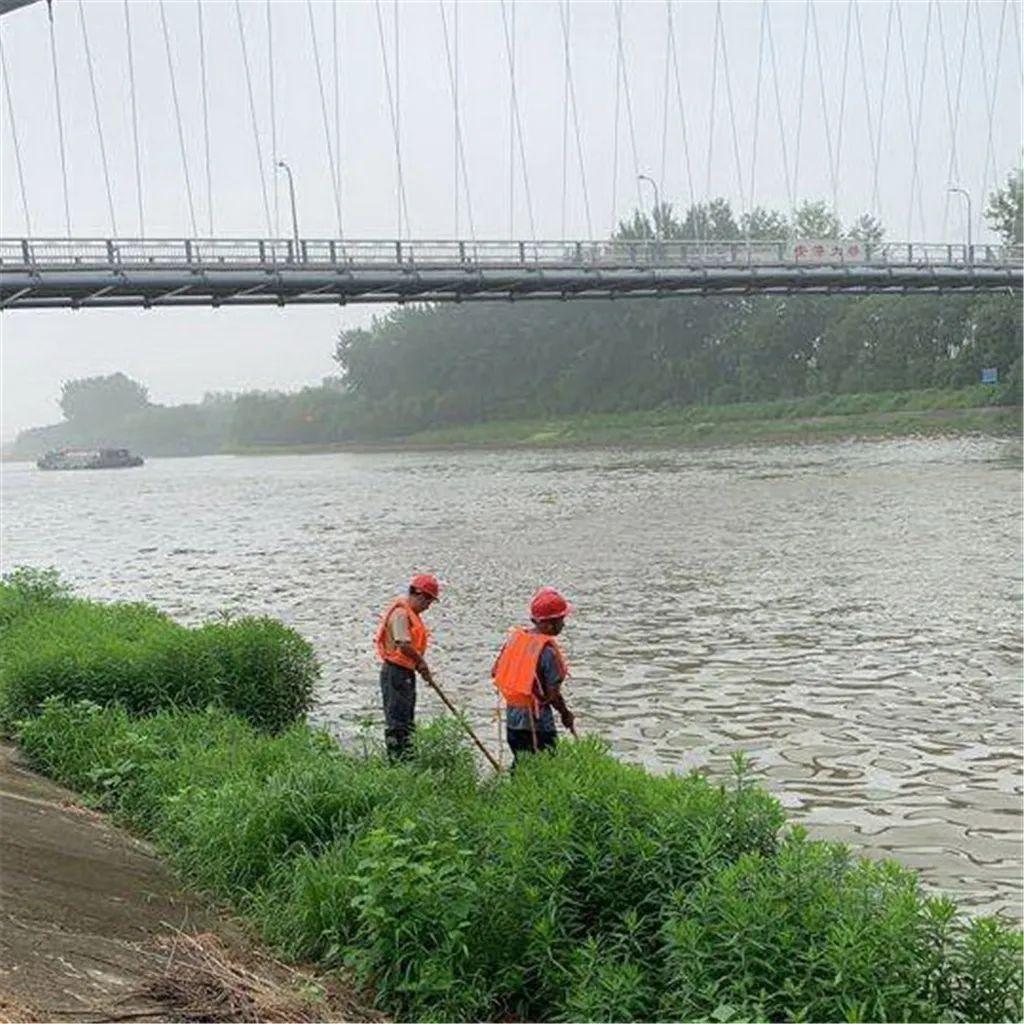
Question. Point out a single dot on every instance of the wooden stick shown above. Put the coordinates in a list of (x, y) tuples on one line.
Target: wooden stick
[(465, 725)]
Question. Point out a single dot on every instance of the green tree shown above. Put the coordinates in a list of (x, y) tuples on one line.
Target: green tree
[(816, 220), (94, 401), (1005, 210), (866, 228)]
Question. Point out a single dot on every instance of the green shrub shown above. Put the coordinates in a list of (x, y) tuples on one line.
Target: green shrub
[(135, 656), (25, 589), (582, 889)]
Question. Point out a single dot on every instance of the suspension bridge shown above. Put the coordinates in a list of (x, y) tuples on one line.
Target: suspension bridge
[(906, 159)]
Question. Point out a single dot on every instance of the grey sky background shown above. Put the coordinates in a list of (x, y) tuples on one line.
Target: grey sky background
[(181, 354)]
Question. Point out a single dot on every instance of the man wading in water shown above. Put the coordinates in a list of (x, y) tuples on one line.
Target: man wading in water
[(529, 672), (401, 642)]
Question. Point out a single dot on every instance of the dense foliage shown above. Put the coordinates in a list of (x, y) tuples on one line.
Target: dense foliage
[(421, 367), (134, 655), (582, 889)]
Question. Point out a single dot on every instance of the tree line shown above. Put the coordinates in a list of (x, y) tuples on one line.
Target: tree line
[(422, 366)]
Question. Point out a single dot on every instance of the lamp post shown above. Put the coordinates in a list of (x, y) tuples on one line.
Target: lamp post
[(967, 196), (657, 203), (291, 193)]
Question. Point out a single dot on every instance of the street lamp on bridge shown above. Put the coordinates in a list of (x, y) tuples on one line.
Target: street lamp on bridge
[(657, 203), (291, 193), (967, 196)]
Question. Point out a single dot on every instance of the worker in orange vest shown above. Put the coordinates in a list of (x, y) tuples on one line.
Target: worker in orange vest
[(401, 642), (529, 672)]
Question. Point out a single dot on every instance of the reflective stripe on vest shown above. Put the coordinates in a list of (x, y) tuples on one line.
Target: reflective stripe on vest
[(515, 671), (419, 636)]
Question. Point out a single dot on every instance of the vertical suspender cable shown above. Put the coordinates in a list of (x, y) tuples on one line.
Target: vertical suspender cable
[(327, 125), (864, 83), (518, 122), (913, 121), (565, 137), (460, 147), (394, 120), (842, 108), (757, 116), (615, 143), (455, 109), (875, 200), (398, 122), (664, 98), (177, 119), (732, 112), (14, 139), (800, 108), (271, 76), (824, 104), (99, 122), (778, 107), (629, 103), (990, 105), (564, 18), (682, 117), (952, 106), (711, 117), (336, 68), (206, 115), (920, 118), (252, 117), (511, 125), (135, 119), (60, 123)]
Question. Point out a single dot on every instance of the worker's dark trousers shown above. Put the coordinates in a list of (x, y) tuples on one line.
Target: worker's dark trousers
[(398, 691), (521, 742)]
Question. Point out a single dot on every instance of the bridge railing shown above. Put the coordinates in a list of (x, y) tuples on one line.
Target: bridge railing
[(347, 253)]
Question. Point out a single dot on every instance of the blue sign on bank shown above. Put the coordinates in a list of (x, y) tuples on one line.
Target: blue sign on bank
[(990, 375)]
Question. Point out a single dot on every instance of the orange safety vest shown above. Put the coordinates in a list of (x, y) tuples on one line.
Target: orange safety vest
[(419, 635), (515, 671)]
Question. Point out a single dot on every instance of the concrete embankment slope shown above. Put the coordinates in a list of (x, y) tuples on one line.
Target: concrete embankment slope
[(95, 928)]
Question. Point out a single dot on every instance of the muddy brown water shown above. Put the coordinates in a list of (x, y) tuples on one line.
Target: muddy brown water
[(847, 613)]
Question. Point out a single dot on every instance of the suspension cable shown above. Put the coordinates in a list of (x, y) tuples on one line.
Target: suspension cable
[(910, 119), (842, 108), (394, 121), (629, 103), (824, 104), (323, 110), (455, 110), (564, 12), (565, 139), (206, 114), (757, 114), (711, 117), (732, 111), (276, 186), (800, 107), (252, 117), (920, 118), (953, 171), (615, 143), (682, 118), (14, 139), (459, 146), (778, 108), (135, 119), (512, 133), (875, 201), (98, 120), (60, 123), (990, 161), (864, 83), (518, 123), (398, 120), (336, 69), (177, 119), (664, 98)]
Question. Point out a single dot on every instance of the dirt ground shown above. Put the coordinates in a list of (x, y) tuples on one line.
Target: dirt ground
[(93, 927)]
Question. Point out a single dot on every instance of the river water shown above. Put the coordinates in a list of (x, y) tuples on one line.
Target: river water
[(847, 613)]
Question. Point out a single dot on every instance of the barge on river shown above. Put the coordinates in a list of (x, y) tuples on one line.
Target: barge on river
[(89, 458)]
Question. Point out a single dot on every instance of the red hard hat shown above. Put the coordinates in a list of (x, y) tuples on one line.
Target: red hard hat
[(548, 603), (426, 584)]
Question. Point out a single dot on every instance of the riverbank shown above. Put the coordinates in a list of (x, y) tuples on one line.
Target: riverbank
[(924, 413), (97, 928), (582, 889)]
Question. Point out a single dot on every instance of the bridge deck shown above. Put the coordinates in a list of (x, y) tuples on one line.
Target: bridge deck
[(47, 273)]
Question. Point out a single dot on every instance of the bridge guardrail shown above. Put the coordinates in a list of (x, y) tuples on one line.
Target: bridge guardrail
[(342, 253)]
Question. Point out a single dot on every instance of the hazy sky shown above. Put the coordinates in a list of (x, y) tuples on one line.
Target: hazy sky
[(936, 51)]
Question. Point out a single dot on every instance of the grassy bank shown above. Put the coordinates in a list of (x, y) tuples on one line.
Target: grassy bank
[(820, 418), (582, 889)]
